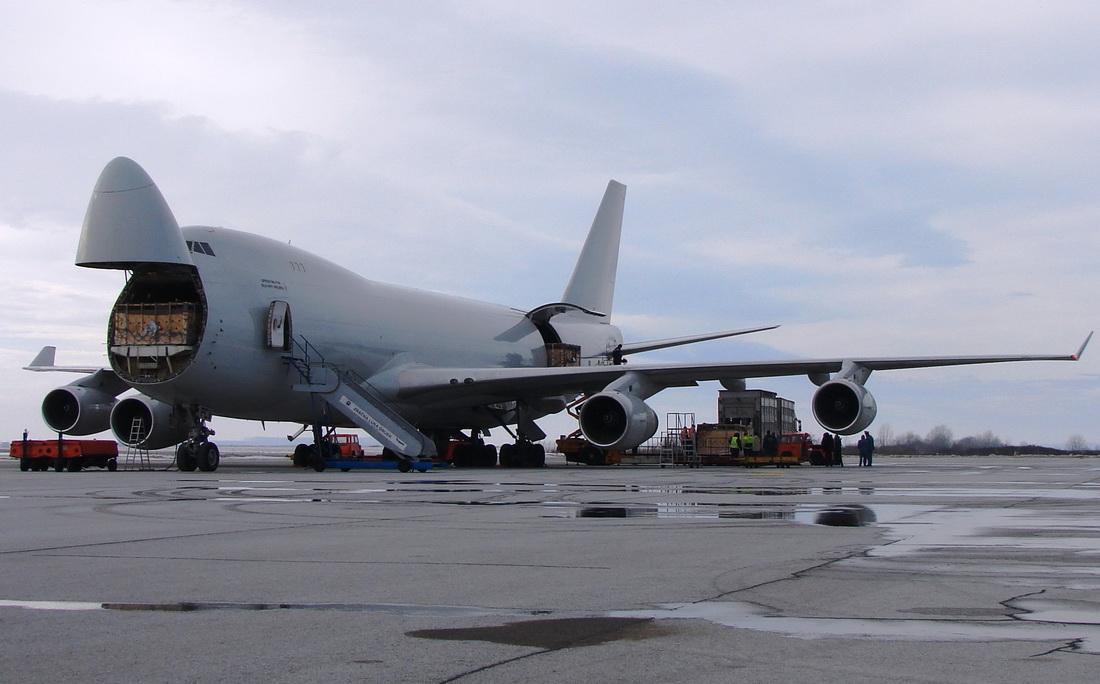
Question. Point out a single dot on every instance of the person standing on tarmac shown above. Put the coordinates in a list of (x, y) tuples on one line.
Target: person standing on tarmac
[(771, 445), (735, 445), (748, 443), (870, 446), (827, 449), (838, 454)]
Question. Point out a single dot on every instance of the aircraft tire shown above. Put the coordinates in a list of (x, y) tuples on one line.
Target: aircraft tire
[(208, 457), (488, 456), (316, 460), (185, 458), (507, 458)]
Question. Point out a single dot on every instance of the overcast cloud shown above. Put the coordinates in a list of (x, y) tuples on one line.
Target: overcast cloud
[(879, 178)]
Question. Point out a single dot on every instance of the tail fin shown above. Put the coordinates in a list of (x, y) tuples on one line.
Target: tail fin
[(592, 285)]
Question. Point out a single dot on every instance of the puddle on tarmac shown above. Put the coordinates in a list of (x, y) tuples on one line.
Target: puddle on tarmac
[(1085, 636), (1057, 611), (192, 606), (552, 634), (833, 515)]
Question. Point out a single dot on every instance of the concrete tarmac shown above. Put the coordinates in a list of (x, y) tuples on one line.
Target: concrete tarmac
[(914, 570)]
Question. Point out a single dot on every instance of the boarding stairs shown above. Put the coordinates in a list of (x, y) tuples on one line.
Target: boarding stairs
[(355, 398), (137, 458), (678, 445)]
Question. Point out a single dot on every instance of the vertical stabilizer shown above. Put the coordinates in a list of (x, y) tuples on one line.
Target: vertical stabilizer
[(592, 286)]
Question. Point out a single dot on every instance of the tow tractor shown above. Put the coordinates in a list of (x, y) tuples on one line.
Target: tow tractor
[(577, 449), (65, 454)]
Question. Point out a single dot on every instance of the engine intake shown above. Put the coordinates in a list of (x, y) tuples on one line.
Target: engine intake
[(844, 407), (616, 421), (77, 410), (161, 424)]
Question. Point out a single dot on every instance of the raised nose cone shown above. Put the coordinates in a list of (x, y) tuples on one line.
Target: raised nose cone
[(128, 222)]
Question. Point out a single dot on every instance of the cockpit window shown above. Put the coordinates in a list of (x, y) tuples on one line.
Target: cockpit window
[(200, 247)]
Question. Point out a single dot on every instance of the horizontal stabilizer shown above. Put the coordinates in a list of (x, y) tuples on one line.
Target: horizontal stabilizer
[(638, 347), (44, 363)]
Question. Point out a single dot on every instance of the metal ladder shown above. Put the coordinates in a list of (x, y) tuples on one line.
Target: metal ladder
[(137, 458), (678, 446)]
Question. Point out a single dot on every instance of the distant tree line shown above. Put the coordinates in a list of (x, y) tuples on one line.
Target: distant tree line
[(941, 440)]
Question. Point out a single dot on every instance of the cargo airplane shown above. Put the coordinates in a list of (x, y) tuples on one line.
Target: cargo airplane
[(217, 322)]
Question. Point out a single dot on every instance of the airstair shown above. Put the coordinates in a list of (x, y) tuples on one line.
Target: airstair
[(136, 457), (678, 443), (355, 398)]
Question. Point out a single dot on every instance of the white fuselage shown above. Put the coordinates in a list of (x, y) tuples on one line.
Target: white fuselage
[(354, 323)]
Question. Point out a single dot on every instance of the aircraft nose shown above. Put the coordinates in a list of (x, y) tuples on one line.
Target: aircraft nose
[(122, 174), (128, 222)]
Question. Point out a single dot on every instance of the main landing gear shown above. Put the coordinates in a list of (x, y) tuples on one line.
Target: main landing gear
[(522, 454), (198, 451)]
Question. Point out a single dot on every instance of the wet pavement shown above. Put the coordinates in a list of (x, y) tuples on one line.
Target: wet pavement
[(915, 570)]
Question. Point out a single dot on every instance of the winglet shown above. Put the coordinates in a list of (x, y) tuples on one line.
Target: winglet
[(1083, 345)]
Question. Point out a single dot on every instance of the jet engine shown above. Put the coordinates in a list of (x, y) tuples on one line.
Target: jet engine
[(162, 425), (617, 421), (77, 410), (844, 407)]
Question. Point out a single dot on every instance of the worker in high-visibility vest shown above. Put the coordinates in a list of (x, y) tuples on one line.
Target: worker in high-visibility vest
[(748, 442), (735, 445)]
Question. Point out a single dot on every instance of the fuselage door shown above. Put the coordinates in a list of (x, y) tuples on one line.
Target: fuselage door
[(278, 325)]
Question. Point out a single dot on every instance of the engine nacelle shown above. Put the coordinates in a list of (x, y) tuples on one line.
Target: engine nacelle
[(616, 421), (77, 410), (844, 407), (162, 425)]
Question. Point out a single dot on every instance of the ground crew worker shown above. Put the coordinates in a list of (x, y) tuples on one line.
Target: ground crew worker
[(771, 445), (735, 445), (748, 442)]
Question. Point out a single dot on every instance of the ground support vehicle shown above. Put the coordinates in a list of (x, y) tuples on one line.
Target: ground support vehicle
[(471, 451), (346, 453), (577, 449), (65, 454)]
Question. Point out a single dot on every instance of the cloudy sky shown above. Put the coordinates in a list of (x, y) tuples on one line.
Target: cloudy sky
[(904, 178)]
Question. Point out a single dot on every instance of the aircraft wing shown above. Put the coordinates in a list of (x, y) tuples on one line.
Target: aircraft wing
[(457, 385)]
